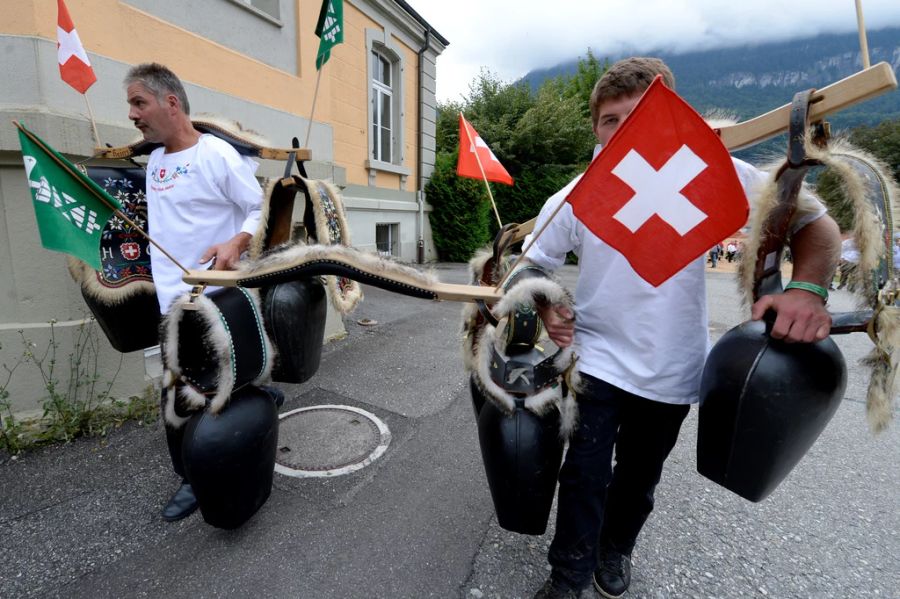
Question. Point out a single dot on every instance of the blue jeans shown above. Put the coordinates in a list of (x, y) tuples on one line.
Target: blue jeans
[(598, 505)]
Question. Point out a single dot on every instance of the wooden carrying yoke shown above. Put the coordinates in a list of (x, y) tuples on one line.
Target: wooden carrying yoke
[(851, 90), (315, 260), (245, 142), (856, 88), (123, 287)]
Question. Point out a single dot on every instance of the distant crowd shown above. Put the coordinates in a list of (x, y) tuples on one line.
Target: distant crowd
[(731, 252)]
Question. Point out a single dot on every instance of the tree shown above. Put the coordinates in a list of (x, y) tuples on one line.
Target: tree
[(554, 130), (882, 141), (446, 138), (543, 139), (494, 108), (828, 188), (460, 211), (581, 84)]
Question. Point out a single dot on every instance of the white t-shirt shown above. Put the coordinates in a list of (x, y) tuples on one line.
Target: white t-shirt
[(650, 341), (197, 198)]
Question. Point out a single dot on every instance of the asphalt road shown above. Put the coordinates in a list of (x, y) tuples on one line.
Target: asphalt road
[(82, 520)]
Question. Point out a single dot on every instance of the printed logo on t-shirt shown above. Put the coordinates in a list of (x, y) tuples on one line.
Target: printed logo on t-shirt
[(163, 175)]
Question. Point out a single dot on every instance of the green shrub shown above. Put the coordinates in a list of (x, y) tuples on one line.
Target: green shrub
[(461, 211), (77, 403), (524, 200)]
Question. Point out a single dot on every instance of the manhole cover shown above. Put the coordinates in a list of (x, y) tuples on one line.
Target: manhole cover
[(329, 440)]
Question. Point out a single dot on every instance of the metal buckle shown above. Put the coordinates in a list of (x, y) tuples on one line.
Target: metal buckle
[(196, 291)]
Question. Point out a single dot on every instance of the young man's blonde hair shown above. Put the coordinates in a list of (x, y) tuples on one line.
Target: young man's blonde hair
[(627, 77)]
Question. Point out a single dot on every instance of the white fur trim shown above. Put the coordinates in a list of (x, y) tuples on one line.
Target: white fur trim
[(343, 301), (482, 338), (219, 339), (370, 263), (233, 128), (171, 418), (867, 225), (255, 249), (90, 282), (868, 230)]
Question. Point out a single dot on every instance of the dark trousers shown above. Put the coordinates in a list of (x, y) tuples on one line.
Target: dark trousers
[(598, 505), (174, 439)]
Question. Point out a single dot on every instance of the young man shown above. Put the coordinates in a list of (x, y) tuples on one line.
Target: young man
[(203, 204), (641, 353)]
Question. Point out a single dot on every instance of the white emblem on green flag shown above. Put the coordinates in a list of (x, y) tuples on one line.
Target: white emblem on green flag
[(329, 29), (67, 204)]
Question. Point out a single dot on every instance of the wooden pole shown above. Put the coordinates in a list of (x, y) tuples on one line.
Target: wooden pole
[(313, 110), (483, 175), (863, 44), (850, 90), (100, 196), (93, 122)]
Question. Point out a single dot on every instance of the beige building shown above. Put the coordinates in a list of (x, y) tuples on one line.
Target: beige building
[(252, 61)]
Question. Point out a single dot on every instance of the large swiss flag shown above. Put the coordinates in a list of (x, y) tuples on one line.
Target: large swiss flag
[(663, 191)]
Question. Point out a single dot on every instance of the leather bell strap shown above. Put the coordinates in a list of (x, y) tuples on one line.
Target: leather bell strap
[(239, 319)]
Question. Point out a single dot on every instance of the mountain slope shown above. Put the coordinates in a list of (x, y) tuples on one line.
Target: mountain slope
[(749, 80)]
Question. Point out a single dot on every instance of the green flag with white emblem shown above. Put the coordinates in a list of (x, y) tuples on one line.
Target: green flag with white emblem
[(71, 210), (329, 29)]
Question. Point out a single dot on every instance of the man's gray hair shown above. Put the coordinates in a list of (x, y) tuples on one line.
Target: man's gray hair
[(159, 81)]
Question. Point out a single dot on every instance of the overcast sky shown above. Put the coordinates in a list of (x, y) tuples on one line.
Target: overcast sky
[(512, 37)]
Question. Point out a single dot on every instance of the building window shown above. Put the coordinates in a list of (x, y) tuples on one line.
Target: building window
[(382, 108), (387, 239), (384, 69), (268, 9)]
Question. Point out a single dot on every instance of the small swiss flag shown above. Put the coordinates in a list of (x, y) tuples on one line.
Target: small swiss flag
[(74, 65), (663, 191), (476, 160)]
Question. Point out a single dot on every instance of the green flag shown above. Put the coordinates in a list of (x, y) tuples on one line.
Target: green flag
[(71, 210), (329, 29)]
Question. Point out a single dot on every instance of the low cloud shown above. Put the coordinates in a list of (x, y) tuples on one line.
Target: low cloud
[(512, 37)]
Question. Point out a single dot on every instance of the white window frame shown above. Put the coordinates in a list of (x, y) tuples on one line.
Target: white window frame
[(393, 239), (270, 10), (380, 42), (380, 90)]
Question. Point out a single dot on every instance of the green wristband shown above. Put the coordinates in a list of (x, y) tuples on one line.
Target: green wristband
[(811, 287)]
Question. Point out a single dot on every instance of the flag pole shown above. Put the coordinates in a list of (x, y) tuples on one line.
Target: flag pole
[(66, 167), (313, 110), (93, 121), (863, 44), (531, 243), (483, 175)]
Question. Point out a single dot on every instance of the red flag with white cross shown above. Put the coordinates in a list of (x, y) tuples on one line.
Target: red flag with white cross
[(476, 160), (663, 191), (74, 65)]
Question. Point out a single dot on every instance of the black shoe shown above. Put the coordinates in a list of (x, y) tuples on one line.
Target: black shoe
[(613, 576), (551, 591), (182, 504)]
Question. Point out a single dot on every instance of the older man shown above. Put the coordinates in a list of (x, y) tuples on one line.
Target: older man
[(203, 204)]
